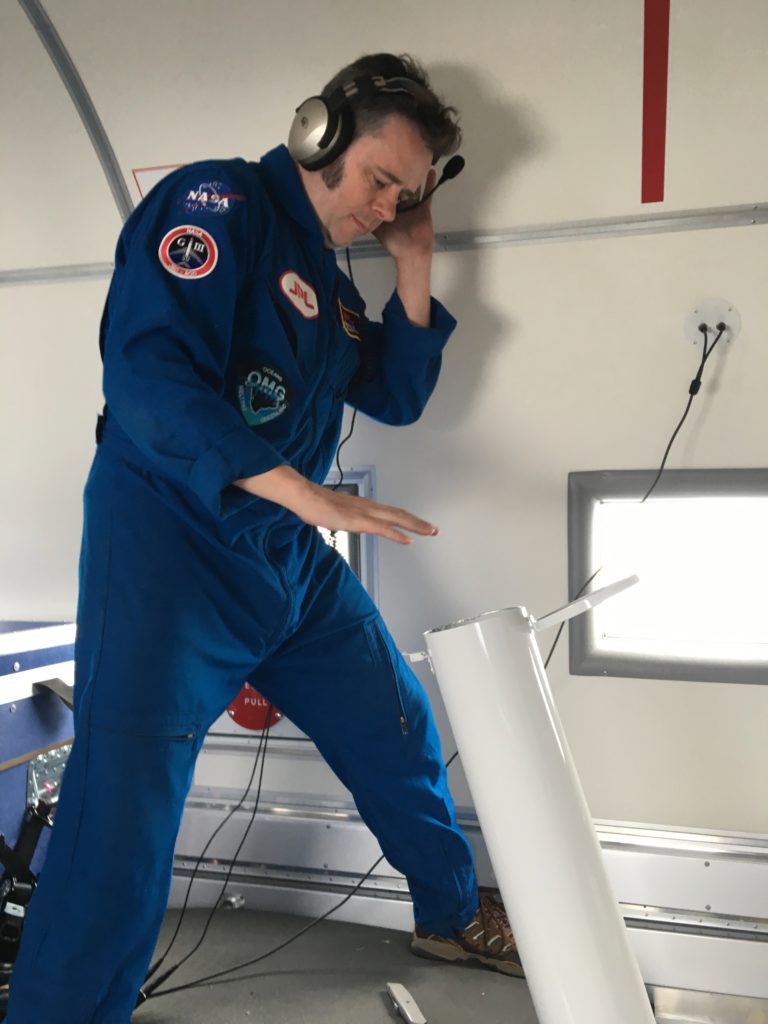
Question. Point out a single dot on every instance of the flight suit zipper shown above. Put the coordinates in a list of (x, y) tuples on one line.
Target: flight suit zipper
[(375, 638), (285, 320)]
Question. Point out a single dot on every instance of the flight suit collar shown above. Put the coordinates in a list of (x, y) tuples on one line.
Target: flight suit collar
[(286, 186)]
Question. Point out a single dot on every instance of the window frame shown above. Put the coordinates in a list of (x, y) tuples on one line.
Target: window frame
[(585, 492)]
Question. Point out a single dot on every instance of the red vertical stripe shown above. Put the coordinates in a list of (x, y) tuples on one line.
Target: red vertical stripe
[(655, 77)]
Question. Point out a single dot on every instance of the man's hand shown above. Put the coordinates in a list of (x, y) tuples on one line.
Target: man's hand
[(319, 506), (411, 232), (409, 240)]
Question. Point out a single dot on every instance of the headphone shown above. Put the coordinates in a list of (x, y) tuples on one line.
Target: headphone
[(323, 126)]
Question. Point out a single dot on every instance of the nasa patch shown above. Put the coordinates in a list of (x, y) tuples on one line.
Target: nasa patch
[(263, 394), (302, 295), (210, 197), (350, 321), (188, 251)]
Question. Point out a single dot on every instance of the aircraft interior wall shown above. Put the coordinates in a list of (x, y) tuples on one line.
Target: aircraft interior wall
[(570, 354)]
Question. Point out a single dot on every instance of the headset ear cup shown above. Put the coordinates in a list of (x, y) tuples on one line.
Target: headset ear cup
[(320, 132), (310, 125), (344, 133)]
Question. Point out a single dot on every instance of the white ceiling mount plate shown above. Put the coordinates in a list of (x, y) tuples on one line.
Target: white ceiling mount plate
[(712, 312)]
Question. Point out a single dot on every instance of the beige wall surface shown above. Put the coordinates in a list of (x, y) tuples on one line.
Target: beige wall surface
[(49, 397), (550, 92), (568, 356)]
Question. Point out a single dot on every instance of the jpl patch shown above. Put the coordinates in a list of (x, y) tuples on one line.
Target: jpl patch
[(210, 197), (188, 251), (302, 295), (263, 395), (350, 321)]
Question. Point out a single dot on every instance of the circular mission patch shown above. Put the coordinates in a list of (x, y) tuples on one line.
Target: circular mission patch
[(188, 251)]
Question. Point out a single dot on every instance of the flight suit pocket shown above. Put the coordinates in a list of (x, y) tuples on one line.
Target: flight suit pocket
[(382, 655), (141, 780)]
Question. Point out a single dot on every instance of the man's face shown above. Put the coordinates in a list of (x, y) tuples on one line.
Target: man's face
[(380, 170)]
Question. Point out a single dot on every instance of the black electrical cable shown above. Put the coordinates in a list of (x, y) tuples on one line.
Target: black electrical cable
[(258, 959), (215, 907), (340, 481), (250, 963), (152, 994), (562, 624), (147, 990), (453, 168), (354, 411), (158, 963), (693, 390)]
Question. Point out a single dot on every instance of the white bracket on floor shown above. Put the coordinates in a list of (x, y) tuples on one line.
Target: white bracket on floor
[(405, 1004)]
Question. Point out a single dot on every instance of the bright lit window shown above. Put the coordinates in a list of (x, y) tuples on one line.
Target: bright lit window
[(699, 546), (359, 550), (347, 544)]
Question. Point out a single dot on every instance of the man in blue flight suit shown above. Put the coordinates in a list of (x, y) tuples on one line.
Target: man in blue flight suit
[(231, 341)]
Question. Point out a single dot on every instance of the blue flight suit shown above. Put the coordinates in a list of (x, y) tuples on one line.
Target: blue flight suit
[(231, 341)]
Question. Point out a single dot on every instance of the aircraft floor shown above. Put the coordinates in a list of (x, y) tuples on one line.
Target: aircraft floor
[(335, 974)]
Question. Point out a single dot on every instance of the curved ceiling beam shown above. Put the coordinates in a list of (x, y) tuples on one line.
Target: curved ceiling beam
[(84, 105)]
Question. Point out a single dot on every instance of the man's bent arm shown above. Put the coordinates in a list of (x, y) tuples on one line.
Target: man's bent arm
[(320, 506), (414, 273)]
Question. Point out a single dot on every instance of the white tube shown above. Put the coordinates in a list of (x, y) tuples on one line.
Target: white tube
[(536, 823)]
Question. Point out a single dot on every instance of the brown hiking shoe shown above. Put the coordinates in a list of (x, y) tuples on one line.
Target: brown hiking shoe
[(487, 939)]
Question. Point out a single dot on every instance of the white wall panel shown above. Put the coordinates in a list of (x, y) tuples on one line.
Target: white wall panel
[(718, 103), (50, 381)]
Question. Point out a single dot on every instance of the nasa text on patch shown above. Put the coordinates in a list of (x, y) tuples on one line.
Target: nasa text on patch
[(211, 197), (188, 251)]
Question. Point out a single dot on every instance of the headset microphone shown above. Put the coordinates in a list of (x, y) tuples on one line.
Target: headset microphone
[(454, 167)]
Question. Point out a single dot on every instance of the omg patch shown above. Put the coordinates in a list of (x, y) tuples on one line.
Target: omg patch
[(188, 251), (263, 394)]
